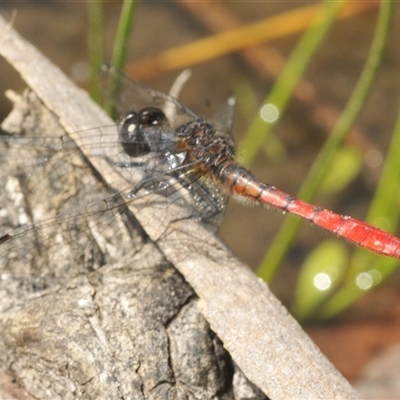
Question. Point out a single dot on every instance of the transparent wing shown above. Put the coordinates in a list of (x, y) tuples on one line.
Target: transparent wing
[(56, 208), (125, 93), (223, 119)]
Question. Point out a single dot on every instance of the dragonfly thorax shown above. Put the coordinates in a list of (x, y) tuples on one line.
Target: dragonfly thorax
[(205, 145)]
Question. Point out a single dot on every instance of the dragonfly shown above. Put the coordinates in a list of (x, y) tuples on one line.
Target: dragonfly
[(162, 150)]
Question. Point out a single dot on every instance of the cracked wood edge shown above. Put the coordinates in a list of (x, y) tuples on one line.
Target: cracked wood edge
[(264, 340)]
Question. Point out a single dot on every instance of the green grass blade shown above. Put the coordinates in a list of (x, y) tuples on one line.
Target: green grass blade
[(322, 272), (123, 32), (120, 47), (385, 208), (248, 105), (283, 89), (290, 227)]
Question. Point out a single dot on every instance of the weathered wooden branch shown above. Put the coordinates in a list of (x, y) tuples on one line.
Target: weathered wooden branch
[(256, 330)]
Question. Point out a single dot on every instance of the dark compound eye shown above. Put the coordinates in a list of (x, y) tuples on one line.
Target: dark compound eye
[(131, 135), (130, 118), (133, 130), (151, 116)]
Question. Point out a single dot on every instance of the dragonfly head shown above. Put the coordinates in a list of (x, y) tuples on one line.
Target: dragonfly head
[(133, 129)]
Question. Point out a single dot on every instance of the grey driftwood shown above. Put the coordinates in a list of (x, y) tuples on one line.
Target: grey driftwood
[(136, 327)]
